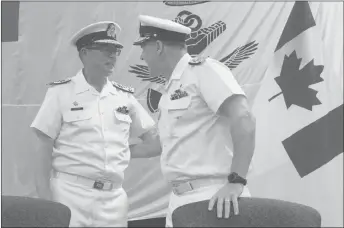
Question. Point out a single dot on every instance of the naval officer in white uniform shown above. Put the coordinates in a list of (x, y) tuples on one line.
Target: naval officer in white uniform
[(207, 131), (84, 125)]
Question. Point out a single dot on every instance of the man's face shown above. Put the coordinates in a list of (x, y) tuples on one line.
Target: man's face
[(101, 56), (151, 57)]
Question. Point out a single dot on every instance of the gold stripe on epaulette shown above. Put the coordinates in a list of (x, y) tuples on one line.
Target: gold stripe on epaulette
[(59, 82), (123, 87)]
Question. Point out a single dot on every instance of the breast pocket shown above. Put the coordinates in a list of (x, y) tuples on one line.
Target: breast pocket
[(178, 108), (122, 120)]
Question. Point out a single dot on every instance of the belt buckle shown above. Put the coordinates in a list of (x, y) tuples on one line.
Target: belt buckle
[(98, 185), (182, 188)]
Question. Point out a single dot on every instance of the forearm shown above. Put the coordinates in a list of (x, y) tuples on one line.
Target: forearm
[(43, 165), (243, 132), (243, 153), (145, 150), (242, 127), (43, 169), (150, 146)]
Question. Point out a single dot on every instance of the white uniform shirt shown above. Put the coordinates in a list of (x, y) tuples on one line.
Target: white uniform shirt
[(196, 141), (92, 139)]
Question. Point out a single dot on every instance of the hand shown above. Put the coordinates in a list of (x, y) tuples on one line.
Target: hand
[(229, 192)]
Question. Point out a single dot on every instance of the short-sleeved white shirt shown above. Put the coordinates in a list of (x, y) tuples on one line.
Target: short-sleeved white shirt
[(90, 132), (196, 141)]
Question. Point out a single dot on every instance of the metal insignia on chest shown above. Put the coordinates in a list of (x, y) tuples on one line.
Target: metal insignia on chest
[(123, 110)]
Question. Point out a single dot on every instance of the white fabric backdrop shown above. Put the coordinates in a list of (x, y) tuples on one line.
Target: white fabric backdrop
[(43, 54)]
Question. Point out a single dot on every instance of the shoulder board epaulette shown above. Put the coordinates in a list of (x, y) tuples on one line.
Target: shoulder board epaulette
[(123, 87), (198, 60), (59, 82)]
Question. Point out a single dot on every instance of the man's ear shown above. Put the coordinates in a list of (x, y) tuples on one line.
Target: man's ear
[(83, 51), (159, 47)]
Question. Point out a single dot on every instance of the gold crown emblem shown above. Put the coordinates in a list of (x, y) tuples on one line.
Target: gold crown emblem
[(111, 31)]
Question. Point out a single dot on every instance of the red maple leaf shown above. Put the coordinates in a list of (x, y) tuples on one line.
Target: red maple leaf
[(295, 83)]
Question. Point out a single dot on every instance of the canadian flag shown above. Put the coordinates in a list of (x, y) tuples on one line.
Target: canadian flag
[(299, 111)]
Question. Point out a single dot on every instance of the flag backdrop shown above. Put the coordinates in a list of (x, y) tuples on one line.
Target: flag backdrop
[(299, 111), (243, 36)]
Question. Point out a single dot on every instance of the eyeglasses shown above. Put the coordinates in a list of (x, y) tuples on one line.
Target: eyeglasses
[(105, 48)]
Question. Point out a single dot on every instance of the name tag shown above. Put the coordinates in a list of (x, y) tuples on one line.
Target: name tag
[(77, 109)]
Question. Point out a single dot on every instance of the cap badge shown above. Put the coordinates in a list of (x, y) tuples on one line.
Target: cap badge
[(111, 31)]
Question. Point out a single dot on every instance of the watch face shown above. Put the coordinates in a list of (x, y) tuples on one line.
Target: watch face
[(235, 178), (232, 177)]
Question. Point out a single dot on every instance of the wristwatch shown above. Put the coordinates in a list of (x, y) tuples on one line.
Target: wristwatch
[(236, 179)]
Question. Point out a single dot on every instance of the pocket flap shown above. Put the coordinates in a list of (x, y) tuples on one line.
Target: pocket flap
[(122, 117), (182, 103)]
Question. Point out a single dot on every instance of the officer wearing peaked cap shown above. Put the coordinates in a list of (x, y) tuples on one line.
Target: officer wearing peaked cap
[(86, 121), (206, 128), (104, 32), (152, 28)]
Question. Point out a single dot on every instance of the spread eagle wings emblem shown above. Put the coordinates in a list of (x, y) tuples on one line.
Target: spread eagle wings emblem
[(142, 72), (231, 61), (239, 54)]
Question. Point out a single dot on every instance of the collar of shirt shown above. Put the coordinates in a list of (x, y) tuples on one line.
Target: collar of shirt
[(179, 69), (109, 88), (81, 85)]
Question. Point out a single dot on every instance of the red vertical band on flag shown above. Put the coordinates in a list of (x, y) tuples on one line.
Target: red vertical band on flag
[(300, 19), (316, 144), (9, 21)]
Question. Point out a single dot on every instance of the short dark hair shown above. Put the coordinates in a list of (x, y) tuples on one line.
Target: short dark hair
[(179, 44)]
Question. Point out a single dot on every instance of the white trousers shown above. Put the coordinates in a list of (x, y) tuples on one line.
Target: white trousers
[(200, 194), (91, 207)]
